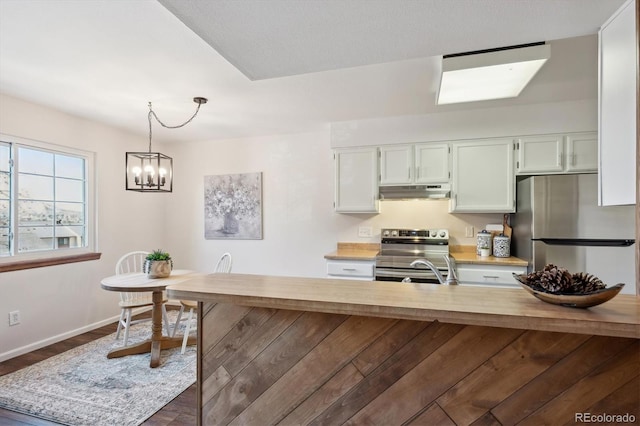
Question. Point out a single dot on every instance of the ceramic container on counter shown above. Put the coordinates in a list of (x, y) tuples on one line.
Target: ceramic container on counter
[(501, 246), (483, 239)]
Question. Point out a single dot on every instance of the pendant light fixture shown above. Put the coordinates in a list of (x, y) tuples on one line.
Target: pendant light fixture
[(153, 171)]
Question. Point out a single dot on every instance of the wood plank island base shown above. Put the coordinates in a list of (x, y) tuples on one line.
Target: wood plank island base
[(293, 351)]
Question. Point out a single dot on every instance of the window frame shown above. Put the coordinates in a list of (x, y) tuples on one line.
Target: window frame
[(33, 259)]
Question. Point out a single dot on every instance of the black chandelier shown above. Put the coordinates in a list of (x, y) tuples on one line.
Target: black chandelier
[(153, 171)]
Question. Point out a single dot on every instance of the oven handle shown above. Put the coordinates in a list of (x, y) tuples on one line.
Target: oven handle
[(417, 273), (410, 241)]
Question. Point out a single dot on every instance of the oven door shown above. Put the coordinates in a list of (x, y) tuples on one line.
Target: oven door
[(416, 275)]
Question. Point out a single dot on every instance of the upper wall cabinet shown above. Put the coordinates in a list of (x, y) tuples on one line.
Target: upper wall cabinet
[(396, 165), (414, 164), (617, 112), (581, 152), (559, 153), (483, 178), (432, 162), (356, 180)]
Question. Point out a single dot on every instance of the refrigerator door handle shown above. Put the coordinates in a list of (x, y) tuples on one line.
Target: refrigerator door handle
[(594, 242)]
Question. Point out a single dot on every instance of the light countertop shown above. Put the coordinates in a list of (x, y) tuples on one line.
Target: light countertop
[(462, 255), (503, 307), (354, 251), (467, 255)]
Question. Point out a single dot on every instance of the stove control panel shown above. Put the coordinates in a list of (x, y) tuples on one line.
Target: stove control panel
[(415, 233)]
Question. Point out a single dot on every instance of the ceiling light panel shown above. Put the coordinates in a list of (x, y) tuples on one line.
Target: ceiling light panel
[(490, 75)]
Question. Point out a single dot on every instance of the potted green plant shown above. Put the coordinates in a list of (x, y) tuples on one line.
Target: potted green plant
[(158, 264)]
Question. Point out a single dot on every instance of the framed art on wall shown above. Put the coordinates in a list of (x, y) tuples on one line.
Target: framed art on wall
[(233, 206)]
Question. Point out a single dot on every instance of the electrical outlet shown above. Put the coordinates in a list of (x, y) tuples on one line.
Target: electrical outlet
[(365, 231), (14, 317), (468, 232)]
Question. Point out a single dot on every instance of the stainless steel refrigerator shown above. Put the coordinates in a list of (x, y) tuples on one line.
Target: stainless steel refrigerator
[(558, 221)]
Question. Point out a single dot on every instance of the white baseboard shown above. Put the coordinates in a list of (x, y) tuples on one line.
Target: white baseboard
[(58, 338)]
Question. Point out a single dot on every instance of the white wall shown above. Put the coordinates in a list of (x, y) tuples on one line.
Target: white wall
[(515, 120), (63, 300)]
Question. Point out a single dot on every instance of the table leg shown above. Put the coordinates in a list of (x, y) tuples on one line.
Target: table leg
[(156, 328), (157, 341)]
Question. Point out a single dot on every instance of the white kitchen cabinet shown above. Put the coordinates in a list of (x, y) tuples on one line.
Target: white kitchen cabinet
[(489, 275), (414, 164), (557, 153), (482, 178), (351, 269), (540, 154), (581, 152), (617, 110), (431, 163), (356, 180), (396, 165)]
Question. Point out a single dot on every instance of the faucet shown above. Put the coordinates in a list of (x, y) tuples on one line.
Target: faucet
[(452, 278)]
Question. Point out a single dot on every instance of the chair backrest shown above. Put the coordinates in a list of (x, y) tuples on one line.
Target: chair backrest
[(131, 262), (224, 264)]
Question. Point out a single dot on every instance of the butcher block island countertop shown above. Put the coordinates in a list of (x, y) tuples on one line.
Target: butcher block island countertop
[(297, 351), (497, 307)]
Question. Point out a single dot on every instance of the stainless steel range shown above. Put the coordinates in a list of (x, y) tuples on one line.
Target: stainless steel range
[(400, 247)]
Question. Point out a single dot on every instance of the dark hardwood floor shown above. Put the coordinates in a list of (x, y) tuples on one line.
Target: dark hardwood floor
[(181, 411)]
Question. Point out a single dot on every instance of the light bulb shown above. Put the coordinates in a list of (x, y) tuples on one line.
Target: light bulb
[(136, 171), (162, 171), (149, 169)]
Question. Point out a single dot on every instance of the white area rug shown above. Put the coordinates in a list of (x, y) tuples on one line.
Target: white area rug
[(83, 387)]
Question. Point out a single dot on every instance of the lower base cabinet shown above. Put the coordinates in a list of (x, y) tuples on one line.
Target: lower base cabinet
[(351, 269), (496, 276)]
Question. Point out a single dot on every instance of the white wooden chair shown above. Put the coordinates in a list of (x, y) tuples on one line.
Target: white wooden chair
[(224, 266), (133, 262)]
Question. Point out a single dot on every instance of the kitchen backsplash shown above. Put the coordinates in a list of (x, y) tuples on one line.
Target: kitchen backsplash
[(418, 214)]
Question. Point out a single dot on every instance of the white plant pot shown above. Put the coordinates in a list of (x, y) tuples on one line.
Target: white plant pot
[(157, 268)]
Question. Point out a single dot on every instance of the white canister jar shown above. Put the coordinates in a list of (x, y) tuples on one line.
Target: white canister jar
[(483, 239), (501, 246)]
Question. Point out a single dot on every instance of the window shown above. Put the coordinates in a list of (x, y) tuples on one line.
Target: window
[(5, 197), (45, 206)]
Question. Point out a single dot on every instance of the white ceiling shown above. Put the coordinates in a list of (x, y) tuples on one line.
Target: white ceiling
[(312, 62)]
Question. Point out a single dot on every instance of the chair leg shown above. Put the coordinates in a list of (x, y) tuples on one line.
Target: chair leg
[(122, 311), (127, 325), (175, 327), (186, 332), (165, 320)]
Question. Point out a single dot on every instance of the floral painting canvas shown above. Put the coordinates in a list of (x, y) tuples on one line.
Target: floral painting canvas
[(233, 206)]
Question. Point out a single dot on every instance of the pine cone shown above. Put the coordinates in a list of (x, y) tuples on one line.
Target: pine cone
[(533, 280), (555, 279), (585, 283)]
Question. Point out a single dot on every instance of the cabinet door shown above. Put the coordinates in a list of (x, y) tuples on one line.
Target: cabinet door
[(356, 175), (489, 275), (582, 152), (396, 163), (350, 269), (540, 154), (432, 163), (482, 176), (617, 112)]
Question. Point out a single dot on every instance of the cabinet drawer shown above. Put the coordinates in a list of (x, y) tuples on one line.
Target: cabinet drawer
[(346, 269), (490, 276)]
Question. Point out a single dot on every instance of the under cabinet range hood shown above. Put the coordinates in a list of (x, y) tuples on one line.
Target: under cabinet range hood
[(412, 192)]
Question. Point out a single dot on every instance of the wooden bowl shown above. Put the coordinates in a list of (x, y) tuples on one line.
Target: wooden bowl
[(582, 300)]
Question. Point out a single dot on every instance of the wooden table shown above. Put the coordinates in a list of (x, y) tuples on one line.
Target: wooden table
[(139, 281)]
